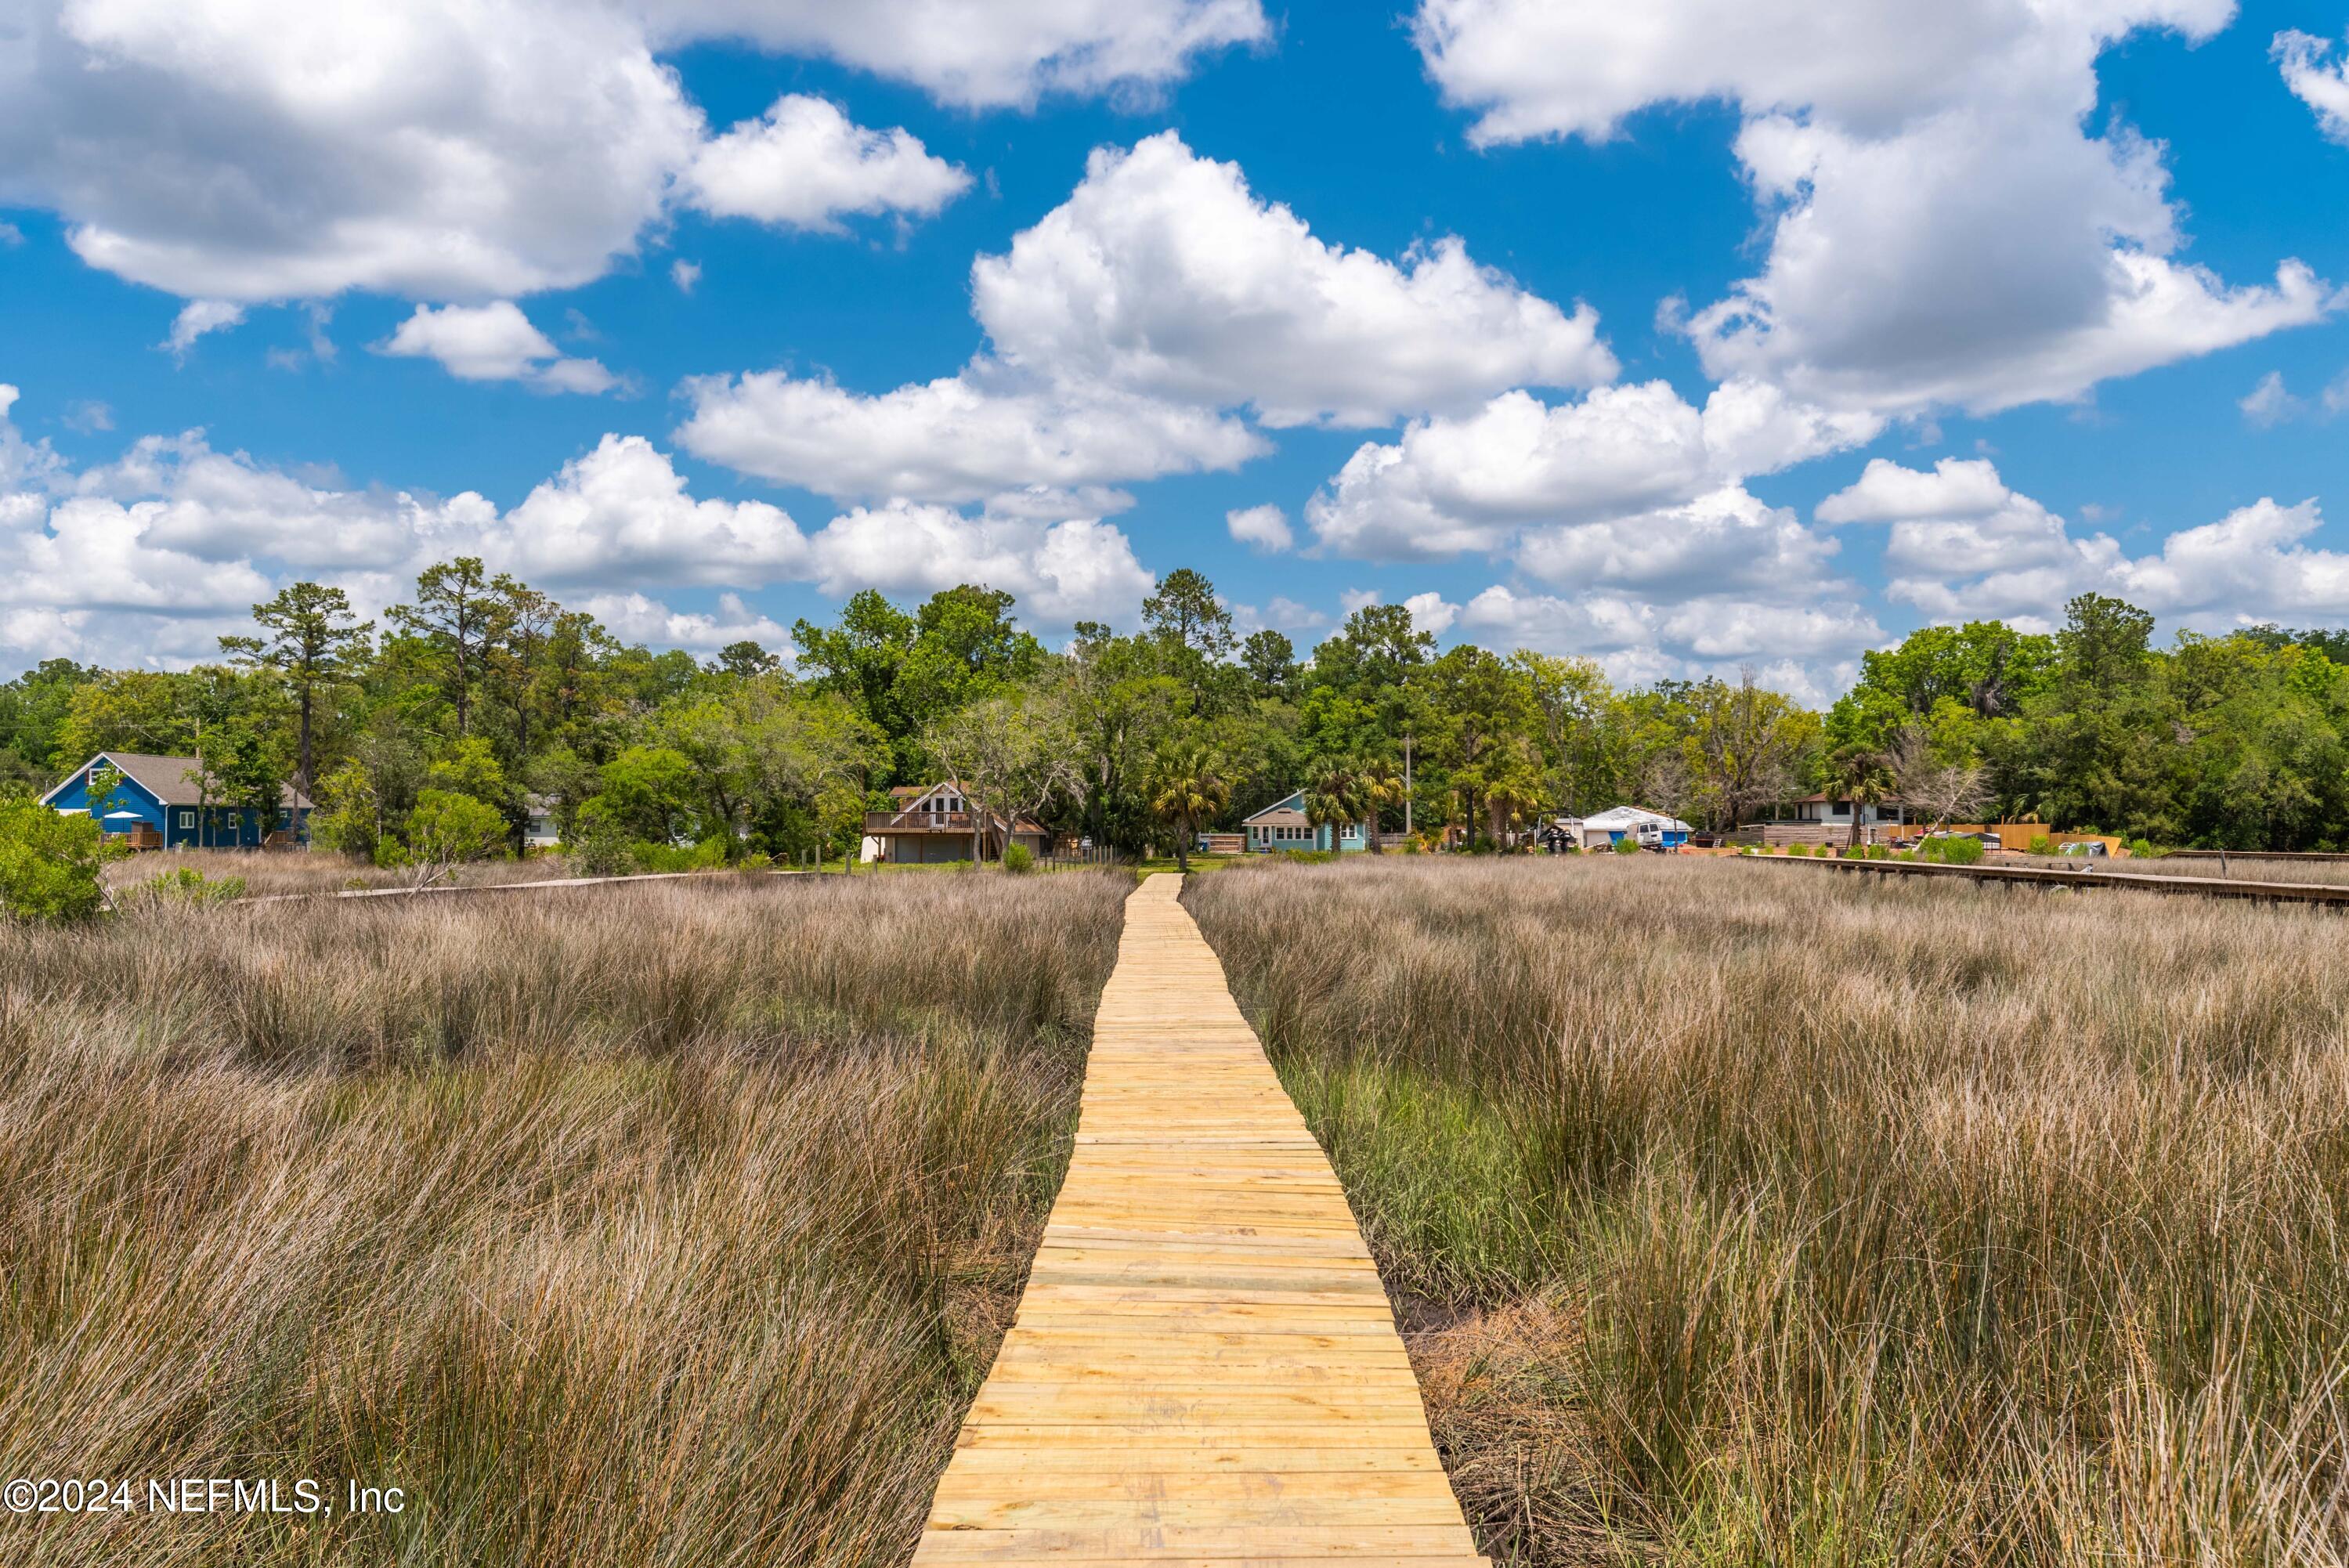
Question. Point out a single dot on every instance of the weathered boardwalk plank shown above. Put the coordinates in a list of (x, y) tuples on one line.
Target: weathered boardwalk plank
[(1205, 1368)]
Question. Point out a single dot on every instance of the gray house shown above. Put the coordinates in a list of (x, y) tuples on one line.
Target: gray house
[(1891, 811)]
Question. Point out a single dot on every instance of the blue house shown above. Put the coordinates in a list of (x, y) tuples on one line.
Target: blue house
[(158, 803), (1283, 825)]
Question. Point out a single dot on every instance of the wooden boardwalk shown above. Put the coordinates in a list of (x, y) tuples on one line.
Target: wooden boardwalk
[(1205, 1368), (2323, 894)]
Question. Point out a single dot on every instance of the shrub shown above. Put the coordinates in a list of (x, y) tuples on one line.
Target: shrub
[(50, 863), (598, 843), (185, 884), (1798, 849), (447, 828), (1952, 851), (1018, 860), (346, 815), (756, 861), (2142, 848), (707, 855), (1308, 857), (2041, 844), (1627, 845)]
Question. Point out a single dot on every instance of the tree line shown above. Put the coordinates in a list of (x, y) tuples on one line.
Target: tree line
[(429, 735)]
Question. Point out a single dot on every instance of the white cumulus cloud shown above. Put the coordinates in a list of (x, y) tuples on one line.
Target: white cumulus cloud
[(1476, 483), (494, 343), (1962, 545), (1125, 326), (984, 54), (1162, 272), (1943, 228), (1064, 571), (2316, 79), (1265, 528), (1722, 541), (2270, 402), (197, 317), (150, 557), (635, 618), (473, 150), (803, 164), (442, 149), (958, 438), (621, 513)]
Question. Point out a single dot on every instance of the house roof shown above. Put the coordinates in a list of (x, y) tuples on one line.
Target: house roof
[(171, 780), (1287, 812), (1618, 818)]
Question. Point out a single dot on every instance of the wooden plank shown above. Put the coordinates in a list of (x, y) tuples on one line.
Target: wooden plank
[(1140, 1543), (1205, 1368)]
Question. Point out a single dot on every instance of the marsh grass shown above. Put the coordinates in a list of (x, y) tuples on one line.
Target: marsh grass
[(660, 1225), (268, 871), (1751, 1217)]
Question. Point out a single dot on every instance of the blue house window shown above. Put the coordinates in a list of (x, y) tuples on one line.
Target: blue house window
[(186, 819)]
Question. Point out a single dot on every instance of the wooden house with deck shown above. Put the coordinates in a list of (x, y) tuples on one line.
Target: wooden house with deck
[(934, 823), (164, 803)]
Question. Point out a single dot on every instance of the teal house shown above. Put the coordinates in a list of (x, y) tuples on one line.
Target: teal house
[(1283, 825), (161, 803)]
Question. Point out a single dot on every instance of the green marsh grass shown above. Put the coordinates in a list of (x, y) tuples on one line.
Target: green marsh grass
[(1753, 1218), (670, 1225)]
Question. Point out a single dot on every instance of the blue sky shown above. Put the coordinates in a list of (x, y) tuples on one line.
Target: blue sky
[(1720, 334)]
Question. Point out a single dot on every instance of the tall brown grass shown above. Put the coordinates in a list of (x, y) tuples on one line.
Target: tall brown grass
[(268, 871), (659, 1225), (1758, 1217)]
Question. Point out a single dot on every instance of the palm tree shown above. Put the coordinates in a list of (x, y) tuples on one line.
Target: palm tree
[(1511, 785), (1187, 786), (1334, 798), (1381, 786), (1861, 775)]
